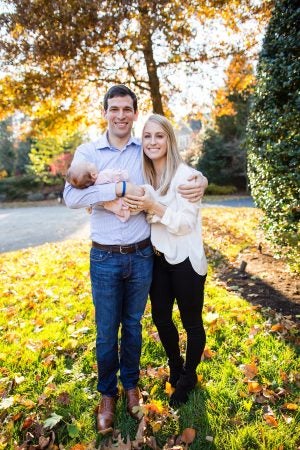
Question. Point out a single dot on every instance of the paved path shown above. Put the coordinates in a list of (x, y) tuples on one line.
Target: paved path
[(235, 202), (29, 226)]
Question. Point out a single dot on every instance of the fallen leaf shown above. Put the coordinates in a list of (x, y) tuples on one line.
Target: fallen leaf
[(207, 353), (287, 419), (270, 419), (19, 380), (17, 416), (211, 317), (6, 403), (27, 403), (290, 406), (188, 435), (63, 398), (53, 420), (169, 389), (156, 425), (27, 423), (151, 443), (123, 445), (254, 387), (141, 430), (200, 378), (78, 447), (250, 370), (277, 327)]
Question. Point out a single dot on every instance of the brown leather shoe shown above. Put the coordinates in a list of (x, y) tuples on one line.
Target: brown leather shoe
[(105, 414), (133, 399)]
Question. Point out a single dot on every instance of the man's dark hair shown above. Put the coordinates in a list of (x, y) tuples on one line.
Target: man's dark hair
[(119, 90)]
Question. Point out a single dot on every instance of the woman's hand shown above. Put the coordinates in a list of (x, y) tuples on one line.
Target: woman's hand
[(143, 203), (194, 190)]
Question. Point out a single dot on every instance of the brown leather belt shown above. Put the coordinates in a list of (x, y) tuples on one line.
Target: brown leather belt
[(123, 249)]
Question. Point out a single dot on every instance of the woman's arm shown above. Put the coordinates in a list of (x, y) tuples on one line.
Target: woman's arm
[(179, 219)]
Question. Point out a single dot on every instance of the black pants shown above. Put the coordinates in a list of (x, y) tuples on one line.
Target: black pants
[(180, 282)]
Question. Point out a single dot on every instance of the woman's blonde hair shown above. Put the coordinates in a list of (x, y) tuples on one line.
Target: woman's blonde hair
[(173, 160)]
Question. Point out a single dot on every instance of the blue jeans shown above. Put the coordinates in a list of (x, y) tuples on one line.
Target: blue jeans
[(120, 287)]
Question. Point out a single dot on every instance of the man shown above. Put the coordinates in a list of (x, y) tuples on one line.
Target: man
[(121, 254)]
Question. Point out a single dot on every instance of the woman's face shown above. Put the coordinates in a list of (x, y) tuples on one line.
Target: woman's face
[(154, 141)]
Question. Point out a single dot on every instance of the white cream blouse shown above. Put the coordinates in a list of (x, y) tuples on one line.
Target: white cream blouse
[(178, 234)]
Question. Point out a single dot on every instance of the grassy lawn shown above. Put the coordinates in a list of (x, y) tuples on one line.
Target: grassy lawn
[(249, 378)]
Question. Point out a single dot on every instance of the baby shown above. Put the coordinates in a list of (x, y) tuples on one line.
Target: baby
[(84, 174)]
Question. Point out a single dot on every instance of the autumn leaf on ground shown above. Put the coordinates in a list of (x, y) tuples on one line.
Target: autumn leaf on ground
[(277, 327), (270, 420), (290, 406), (140, 434), (154, 407), (63, 398), (211, 318), (269, 416), (254, 330), (27, 423), (169, 389), (254, 387), (207, 354), (188, 435), (78, 447), (53, 420), (250, 370), (29, 404), (120, 444), (200, 378)]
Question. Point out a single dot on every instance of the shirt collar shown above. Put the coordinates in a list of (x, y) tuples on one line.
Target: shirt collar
[(103, 142)]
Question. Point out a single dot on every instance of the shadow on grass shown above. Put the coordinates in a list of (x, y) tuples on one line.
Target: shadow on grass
[(253, 288), (196, 409)]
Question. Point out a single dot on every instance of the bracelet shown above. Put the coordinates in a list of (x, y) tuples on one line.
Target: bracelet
[(123, 188)]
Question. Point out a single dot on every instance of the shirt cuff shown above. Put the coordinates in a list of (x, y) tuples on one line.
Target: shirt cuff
[(167, 217)]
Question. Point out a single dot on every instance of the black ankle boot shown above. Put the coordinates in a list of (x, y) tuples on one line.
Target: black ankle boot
[(176, 370), (184, 386)]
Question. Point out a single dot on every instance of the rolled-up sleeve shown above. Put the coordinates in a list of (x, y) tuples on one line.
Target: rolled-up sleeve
[(81, 198)]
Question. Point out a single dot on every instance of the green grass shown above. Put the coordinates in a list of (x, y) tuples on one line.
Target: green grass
[(47, 355)]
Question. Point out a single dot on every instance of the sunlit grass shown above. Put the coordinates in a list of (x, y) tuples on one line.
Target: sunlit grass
[(47, 354)]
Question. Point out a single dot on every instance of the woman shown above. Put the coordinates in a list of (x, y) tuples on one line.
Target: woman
[(180, 265)]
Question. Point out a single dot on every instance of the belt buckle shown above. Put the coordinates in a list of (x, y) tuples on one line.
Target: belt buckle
[(121, 251)]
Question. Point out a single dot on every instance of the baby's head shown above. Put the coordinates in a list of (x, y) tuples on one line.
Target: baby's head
[(82, 174)]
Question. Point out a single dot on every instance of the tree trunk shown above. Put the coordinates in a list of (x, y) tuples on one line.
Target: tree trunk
[(152, 72)]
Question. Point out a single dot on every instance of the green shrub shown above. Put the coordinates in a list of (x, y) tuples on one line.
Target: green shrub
[(273, 139), (18, 187), (214, 189)]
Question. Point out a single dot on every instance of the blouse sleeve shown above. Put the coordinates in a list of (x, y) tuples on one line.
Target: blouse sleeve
[(181, 215), (182, 219)]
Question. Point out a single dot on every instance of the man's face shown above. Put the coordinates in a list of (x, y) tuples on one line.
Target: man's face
[(120, 116)]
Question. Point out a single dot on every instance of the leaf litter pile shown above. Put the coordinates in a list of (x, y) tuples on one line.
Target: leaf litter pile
[(247, 395)]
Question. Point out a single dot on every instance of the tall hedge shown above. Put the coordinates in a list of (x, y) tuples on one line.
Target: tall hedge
[(273, 133)]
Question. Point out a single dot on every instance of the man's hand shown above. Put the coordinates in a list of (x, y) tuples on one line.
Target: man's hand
[(131, 189), (194, 190)]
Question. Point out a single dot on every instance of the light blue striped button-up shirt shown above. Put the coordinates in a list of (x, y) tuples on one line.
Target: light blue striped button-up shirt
[(106, 228)]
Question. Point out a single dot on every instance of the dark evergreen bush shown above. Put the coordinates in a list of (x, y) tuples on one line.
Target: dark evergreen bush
[(273, 130), (223, 162)]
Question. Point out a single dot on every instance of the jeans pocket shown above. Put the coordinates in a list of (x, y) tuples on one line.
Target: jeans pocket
[(97, 255), (146, 252)]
